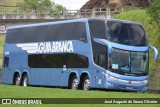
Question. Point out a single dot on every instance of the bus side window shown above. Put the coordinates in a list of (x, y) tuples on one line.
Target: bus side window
[(95, 58), (6, 62), (101, 60)]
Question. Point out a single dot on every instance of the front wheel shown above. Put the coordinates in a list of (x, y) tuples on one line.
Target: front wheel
[(25, 80), (85, 84)]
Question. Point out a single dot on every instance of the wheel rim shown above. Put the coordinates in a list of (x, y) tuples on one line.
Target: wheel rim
[(25, 81), (17, 83), (75, 84), (86, 84)]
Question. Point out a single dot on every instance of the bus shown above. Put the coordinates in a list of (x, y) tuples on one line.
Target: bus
[(87, 53)]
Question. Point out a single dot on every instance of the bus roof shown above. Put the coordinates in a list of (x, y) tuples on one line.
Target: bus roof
[(48, 23), (69, 21), (115, 20)]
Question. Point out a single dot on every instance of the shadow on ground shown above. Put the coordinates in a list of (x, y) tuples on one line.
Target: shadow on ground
[(153, 91)]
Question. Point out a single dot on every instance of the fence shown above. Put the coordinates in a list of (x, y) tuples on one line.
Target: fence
[(64, 14)]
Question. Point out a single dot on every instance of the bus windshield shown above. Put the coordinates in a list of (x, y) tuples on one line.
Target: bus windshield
[(127, 62), (126, 33)]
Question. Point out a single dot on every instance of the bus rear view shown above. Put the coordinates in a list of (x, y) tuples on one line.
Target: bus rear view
[(80, 54)]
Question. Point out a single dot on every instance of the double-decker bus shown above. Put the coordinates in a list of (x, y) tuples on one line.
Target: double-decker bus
[(80, 54)]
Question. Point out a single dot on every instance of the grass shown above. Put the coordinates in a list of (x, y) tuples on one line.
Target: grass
[(9, 91), (1, 48), (9, 3)]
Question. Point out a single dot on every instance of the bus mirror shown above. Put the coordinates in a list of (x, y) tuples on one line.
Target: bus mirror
[(104, 42), (83, 39), (108, 45), (155, 52)]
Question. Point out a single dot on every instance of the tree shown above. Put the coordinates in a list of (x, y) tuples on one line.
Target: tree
[(39, 5), (59, 7), (154, 12)]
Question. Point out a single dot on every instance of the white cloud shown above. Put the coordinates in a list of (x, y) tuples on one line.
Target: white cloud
[(71, 4)]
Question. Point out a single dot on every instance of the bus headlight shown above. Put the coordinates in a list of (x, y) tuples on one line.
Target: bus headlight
[(144, 81), (109, 76), (113, 78)]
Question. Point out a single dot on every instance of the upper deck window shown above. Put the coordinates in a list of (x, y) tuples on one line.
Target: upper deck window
[(126, 33), (97, 29), (54, 32)]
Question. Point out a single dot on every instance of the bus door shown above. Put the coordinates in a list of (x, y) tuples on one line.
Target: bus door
[(99, 79), (6, 67), (101, 61)]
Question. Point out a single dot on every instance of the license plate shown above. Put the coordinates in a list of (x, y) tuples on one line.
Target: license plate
[(129, 88)]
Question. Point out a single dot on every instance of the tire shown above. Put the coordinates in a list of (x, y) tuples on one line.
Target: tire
[(85, 83), (17, 80), (25, 80), (74, 83)]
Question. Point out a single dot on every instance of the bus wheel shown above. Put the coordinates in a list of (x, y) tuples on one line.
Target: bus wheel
[(17, 80), (25, 80), (85, 84), (74, 83)]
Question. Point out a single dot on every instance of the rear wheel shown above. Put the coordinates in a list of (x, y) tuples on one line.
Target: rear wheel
[(17, 80), (74, 83), (25, 80), (85, 84)]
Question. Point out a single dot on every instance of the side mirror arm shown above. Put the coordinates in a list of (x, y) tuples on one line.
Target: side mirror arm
[(155, 52)]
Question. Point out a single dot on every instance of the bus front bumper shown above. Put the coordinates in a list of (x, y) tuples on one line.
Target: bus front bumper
[(117, 85)]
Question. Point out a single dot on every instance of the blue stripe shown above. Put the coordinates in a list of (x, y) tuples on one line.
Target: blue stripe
[(129, 48)]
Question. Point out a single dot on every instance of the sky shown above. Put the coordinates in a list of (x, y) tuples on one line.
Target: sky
[(71, 4)]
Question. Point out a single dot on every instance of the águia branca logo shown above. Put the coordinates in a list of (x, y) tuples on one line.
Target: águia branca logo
[(47, 47)]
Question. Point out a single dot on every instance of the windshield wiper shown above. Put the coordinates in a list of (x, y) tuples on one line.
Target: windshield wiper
[(138, 71)]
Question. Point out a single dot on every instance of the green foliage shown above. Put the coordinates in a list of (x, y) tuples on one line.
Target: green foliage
[(39, 5), (35, 5), (59, 7), (154, 12)]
